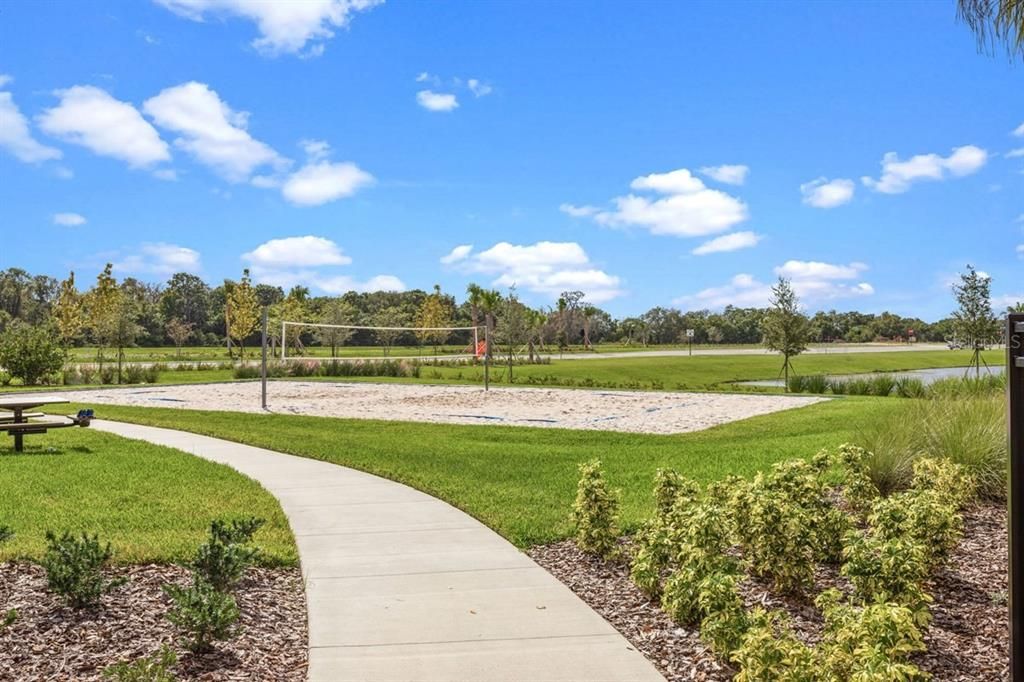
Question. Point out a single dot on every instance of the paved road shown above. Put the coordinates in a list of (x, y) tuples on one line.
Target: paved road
[(403, 586)]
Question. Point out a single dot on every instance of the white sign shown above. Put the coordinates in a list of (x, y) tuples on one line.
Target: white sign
[(689, 333)]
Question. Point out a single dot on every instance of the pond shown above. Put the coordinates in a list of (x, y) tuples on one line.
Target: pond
[(926, 375)]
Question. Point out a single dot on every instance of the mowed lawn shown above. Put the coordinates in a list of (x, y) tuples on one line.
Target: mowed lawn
[(153, 504), (521, 481)]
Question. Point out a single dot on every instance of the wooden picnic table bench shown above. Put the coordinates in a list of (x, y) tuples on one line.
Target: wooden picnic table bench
[(20, 421)]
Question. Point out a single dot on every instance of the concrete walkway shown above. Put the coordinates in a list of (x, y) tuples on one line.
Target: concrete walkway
[(403, 586)]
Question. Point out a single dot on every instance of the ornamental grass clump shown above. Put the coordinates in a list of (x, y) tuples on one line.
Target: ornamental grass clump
[(595, 512)]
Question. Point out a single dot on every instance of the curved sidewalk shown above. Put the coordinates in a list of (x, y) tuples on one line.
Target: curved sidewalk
[(403, 586)]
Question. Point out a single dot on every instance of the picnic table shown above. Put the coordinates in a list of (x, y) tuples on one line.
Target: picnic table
[(22, 420)]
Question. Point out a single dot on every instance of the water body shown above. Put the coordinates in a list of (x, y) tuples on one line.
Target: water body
[(928, 376)]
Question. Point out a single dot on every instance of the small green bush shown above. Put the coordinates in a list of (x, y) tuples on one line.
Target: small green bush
[(770, 651), (882, 385), (725, 620), (858, 386), (9, 619), (222, 559), (888, 571), (797, 383), (108, 374), (838, 386), (74, 568), (868, 643), (595, 512), (910, 387), (155, 668), (203, 614), (30, 352)]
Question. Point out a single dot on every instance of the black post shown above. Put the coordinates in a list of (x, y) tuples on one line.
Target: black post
[(1015, 422), (263, 363)]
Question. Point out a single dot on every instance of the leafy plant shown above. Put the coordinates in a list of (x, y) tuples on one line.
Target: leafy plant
[(222, 559), (30, 352), (770, 651), (816, 383), (888, 571), (595, 511), (74, 568), (155, 668), (9, 619), (203, 613)]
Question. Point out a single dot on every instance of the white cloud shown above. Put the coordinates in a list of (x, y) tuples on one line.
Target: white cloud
[(898, 176), (479, 88), (728, 242), (315, 150), (457, 254), (160, 259), (436, 101), (68, 219), (1020, 250), (286, 26), (90, 117), (729, 174), (1015, 153), (1000, 303), (297, 252), (579, 211), (1019, 131), (5, 79), (426, 77), (319, 183), (546, 268), (15, 136), (824, 193), (813, 281), (689, 208), (300, 260), (168, 174), (210, 131)]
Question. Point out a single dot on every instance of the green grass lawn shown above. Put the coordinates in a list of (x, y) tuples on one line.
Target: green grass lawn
[(153, 504), (521, 481)]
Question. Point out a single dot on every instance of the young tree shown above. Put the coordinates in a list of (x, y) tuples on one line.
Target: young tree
[(490, 301), (68, 312), (103, 306), (435, 312), (30, 352), (179, 332), (339, 312), (973, 322), (515, 326), (126, 328), (389, 318), (786, 330), (242, 311)]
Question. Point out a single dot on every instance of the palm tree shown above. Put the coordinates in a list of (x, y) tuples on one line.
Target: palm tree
[(588, 316), (995, 21), (490, 299), (474, 294)]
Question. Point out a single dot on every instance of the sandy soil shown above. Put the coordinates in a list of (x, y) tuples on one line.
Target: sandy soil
[(639, 412)]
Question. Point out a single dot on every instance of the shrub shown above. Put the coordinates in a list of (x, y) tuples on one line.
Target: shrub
[(946, 478), (923, 517), (669, 486), (30, 352), (5, 378), (108, 374), (9, 619), (837, 386), (203, 613), (868, 643), (595, 512), (653, 542), (725, 620), (151, 374), (132, 374), (247, 372), (222, 559), (888, 571), (74, 568), (155, 668), (858, 386), (698, 538), (764, 655), (86, 374)]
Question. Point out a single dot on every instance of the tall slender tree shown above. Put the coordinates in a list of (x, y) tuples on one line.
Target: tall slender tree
[(242, 311), (973, 322), (68, 312), (786, 330)]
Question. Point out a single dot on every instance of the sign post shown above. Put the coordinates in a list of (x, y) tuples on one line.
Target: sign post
[(1015, 507), (689, 340)]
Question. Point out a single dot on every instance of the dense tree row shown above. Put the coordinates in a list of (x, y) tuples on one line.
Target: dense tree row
[(187, 311)]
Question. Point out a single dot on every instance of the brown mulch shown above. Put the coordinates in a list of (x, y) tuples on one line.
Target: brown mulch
[(51, 641), (968, 640)]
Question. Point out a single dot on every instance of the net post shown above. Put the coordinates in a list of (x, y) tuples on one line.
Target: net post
[(1015, 496), (487, 359), (263, 361)]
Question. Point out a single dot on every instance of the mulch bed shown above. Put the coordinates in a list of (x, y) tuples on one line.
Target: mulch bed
[(968, 640), (50, 641)]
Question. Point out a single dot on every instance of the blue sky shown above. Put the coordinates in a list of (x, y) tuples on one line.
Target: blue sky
[(648, 153)]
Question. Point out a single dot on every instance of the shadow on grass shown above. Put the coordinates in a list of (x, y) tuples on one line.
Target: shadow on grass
[(45, 451)]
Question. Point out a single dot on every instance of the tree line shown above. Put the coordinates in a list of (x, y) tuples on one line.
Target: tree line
[(186, 311)]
